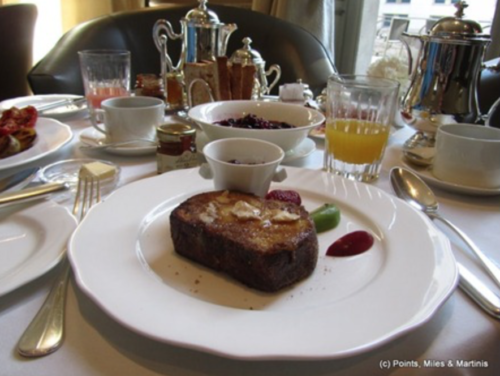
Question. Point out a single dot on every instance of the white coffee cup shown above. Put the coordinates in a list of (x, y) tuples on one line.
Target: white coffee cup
[(130, 118), (468, 154), (243, 164)]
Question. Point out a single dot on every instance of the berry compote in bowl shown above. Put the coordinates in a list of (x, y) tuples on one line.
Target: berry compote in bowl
[(283, 124)]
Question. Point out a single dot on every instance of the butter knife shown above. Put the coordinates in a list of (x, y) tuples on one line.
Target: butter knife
[(18, 180), (27, 194), (59, 103)]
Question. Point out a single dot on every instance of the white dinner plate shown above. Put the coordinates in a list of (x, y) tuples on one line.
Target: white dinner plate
[(60, 113), (426, 175), (318, 132), (123, 258), (51, 136), (92, 137), (305, 148), (32, 241)]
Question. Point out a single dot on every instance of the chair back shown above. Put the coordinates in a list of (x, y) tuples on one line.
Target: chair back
[(298, 52), (17, 25)]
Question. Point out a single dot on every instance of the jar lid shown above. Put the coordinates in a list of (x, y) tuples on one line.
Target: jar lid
[(202, 16), (246, 55), (174, 130), (457, 26)]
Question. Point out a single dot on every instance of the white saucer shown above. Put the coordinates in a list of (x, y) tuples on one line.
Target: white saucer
[(304, 149), (62, 112), (32, 241), (426, 175), (92, 137)]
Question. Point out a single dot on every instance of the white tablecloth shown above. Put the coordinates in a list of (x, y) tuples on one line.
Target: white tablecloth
[(97, 345)]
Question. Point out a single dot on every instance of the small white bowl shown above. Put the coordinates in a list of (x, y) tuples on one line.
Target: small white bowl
[(302, 118), (258, 165)]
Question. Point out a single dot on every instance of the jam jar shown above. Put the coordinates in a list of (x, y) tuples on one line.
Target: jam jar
[(176, 147), (149, 85)]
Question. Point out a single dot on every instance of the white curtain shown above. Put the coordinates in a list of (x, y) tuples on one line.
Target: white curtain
[(494, 48), (316, 16)]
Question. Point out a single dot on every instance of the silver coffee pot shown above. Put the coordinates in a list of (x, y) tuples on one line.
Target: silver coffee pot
[(203, 37), (249, 56), (444, 80), (445, 75)]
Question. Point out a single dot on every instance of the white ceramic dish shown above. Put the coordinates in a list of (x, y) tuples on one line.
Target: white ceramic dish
[(305, 148), (427, 175), (32, 241), (62, 112), (91, 137), (51, 136), (304, 119), (348, 306)]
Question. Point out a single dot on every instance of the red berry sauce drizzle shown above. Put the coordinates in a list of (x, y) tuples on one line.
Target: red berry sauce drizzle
[(351, 244)]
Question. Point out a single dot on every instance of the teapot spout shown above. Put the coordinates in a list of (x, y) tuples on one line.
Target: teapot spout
[(225, 33)]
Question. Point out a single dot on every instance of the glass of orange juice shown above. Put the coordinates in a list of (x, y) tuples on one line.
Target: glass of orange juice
[(106, 74), (360, 111)]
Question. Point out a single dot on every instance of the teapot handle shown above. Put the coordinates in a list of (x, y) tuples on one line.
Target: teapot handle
[(273, 68), (205, 85), (491, 111), (408, 49), (162, 30)]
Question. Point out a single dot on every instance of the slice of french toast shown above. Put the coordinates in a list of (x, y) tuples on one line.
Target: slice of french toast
[(265, 244)]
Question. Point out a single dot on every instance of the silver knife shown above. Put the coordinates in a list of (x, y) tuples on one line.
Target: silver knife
[(479, 292), (31, 193), (18, 180), (59, 103)]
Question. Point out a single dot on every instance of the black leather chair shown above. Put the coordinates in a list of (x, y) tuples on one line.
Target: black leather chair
[(489, 89), (299, 53), (17, 24)]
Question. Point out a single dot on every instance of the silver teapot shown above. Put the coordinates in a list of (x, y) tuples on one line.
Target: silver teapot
[(444, 77), (249, 56), (203, 37)]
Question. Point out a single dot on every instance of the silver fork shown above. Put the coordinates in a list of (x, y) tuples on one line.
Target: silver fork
[(45, 333)]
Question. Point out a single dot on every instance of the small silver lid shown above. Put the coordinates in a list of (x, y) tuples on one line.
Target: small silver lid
[(246, 55), (457, 26)]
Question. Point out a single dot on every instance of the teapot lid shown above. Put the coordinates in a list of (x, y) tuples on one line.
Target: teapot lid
[(202, 15), (457, 26), (246, 55)]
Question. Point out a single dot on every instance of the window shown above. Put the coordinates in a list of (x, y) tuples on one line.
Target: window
[(358, 49), (389, 16)]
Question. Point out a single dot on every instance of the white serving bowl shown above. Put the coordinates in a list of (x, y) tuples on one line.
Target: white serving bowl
[(302, 118)]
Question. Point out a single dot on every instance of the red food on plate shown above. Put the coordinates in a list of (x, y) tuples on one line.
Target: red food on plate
[(17, 131), (15, 118), (351, 244)]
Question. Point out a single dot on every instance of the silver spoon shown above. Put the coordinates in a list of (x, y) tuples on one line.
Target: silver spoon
[(412, 189), (419, 149)]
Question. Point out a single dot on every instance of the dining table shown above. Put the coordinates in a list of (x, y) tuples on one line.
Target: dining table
[(459, 338)]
